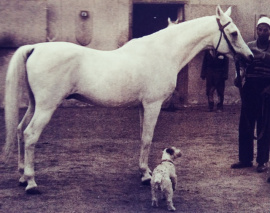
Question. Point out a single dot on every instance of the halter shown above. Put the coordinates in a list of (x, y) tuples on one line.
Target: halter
[(221, 29)]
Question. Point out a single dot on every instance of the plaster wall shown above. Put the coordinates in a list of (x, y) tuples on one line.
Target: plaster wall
[(106, 26)]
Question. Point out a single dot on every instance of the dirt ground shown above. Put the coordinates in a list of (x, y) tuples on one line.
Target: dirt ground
[(87, 161)]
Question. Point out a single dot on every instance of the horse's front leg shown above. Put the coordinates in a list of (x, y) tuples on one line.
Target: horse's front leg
[(150, 115)]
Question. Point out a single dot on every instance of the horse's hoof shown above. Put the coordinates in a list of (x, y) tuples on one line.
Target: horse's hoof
[(146, 180), (33, 191), (24, 184), (171, 208)]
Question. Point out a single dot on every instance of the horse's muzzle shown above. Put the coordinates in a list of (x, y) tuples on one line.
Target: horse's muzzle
[(250, 58)]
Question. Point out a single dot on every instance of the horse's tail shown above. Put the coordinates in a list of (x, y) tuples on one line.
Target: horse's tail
[(15, 79)]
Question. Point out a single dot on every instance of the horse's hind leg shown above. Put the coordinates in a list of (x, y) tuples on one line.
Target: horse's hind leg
[(141, 112), (23, 124), (31, 135), (150, 115)]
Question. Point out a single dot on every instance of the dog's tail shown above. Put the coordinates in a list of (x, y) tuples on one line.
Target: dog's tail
[(158, 178), (156, 181)]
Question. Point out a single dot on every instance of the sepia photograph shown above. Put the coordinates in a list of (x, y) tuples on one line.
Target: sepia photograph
[(134, 106)]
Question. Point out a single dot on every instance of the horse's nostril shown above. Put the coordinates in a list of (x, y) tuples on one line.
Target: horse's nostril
[(251, 57)]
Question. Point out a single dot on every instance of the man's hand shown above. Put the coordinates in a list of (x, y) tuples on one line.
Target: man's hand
[(258, 54), (237, 83), (239, 79)]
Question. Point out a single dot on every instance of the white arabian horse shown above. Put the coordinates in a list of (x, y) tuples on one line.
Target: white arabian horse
[(143, 72)]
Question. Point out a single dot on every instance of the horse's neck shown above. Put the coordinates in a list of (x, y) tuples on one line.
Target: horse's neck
[(177, 44), (186, 40)]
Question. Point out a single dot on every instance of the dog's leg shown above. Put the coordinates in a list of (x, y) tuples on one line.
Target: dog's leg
[(154, 202), (170, 202), (168, 191), (154, 191), (174, 182)]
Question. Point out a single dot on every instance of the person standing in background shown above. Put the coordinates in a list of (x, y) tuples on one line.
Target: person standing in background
[(215, 70)]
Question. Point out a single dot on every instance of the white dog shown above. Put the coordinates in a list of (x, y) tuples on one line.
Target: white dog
[(164, 178)]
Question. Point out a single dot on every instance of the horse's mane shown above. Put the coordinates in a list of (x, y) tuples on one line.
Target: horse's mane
[(181, 27)]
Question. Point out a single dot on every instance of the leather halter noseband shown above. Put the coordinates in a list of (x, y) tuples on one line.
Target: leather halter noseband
[(221, 29)]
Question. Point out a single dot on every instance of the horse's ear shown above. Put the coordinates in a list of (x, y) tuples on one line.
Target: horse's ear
[(169, 21), (229, 11), (219, 12), (177, 21)]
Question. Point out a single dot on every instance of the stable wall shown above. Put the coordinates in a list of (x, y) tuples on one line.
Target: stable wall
[(106, 27), (22, 22), (99, 24)]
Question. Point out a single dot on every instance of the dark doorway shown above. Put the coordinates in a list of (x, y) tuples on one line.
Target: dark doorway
[(149, 18)]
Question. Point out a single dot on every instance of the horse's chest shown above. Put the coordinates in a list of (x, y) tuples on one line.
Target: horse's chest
[(162, 83)]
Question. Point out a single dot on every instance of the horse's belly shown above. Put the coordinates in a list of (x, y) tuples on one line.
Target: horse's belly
[(110, 89), (106, 100)]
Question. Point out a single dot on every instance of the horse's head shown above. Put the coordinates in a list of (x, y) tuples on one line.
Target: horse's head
[(229, 40)]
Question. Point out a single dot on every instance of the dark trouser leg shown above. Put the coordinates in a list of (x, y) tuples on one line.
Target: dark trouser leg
[(210, 95), (210, 106), (262, 151), (220, 93), (210, 89), (247, 124), (263, 141), (246, 136)]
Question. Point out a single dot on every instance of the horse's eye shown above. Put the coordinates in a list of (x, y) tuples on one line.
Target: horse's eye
[(234, 34)]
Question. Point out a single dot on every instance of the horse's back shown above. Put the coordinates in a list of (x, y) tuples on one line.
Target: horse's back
[(111, 78), (60, 69)]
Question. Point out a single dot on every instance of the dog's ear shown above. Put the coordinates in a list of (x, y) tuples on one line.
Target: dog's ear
[(170, 151)]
